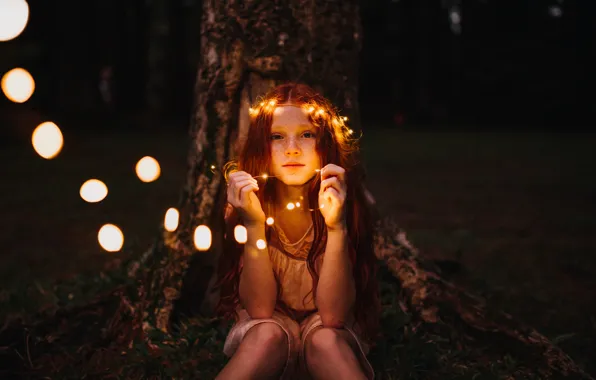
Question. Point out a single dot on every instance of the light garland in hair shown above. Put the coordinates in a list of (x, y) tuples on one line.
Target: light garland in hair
[(321, 111)]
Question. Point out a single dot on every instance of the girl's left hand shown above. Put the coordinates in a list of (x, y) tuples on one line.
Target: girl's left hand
[(332, 196)]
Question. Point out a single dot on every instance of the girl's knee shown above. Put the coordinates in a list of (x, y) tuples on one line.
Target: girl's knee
[(269, 336), (322, 340)]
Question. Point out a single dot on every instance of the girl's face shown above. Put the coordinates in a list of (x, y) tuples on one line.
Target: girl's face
[(294, 158)]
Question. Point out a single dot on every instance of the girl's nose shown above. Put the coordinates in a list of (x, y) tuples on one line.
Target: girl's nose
[(292, 147)]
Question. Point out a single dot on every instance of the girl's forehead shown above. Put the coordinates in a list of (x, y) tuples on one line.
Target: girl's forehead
[(290, 116)]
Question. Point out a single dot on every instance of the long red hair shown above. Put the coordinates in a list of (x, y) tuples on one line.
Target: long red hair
[(335, 145)]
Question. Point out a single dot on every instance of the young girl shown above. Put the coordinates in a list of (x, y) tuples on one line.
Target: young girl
[(302, 288)]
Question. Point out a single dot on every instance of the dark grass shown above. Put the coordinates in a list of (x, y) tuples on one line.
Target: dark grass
[(515, 210)]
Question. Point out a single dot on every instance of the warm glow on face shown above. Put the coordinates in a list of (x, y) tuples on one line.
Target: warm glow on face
[(14, 15), (202, 238), (261, 244), (270, 221), (18, 85), (240, 234), (171, 220), (110, 238), (148, 169), (47, 140), (93, 191)]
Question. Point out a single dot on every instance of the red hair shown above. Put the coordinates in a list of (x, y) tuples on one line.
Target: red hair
[(334, 146)]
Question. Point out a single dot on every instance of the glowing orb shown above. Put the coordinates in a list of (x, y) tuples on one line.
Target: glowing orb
[(47, 140), (290, 206), (18, 85), (202, 238), (270, 221), (261, 244), (93, 191), (110, 238), (171, 219), (14, 15), (240, 234), (148, 169)]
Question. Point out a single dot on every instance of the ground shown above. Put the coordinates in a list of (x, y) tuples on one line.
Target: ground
[(515, 210)]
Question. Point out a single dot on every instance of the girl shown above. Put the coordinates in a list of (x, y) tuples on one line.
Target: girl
[(302, 288)]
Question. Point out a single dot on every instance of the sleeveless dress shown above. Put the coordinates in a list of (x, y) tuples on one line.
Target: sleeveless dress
[(290, 267)]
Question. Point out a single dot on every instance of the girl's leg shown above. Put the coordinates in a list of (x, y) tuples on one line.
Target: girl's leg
[(330, 354), (262, 354)]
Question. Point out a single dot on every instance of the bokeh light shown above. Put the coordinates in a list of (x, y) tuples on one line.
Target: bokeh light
[(171, 219), (110, 238), (202, 238), (270, 221), (148, 169), (47, 140), (18, 85), (261, 244), (93, 191), (240, 234), (14, 15)]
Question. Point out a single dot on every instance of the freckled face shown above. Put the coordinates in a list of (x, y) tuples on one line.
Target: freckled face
[(293, 141)]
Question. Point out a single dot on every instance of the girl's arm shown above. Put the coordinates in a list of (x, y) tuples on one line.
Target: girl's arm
[(336, 291), (257, 289)]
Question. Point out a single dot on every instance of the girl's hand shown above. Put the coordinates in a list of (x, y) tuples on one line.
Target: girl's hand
[(332, 196), (241, 194)]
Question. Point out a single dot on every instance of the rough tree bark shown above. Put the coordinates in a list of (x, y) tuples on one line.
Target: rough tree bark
[(246, 48)]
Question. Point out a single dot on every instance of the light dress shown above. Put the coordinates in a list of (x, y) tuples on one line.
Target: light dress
[(290, 267)]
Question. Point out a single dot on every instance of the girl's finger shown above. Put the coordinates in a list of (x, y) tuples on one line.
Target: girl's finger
[(330, 182), (239, 186), (243, 195)]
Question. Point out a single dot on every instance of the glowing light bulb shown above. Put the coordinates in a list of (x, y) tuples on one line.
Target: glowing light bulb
[(93, 191), (345, 118), (18, 85), (317, 170), (264, 176), (350, 131), (212, 166), (290, 206), (47, 140), (297, 204), (171, 219), (14, 15), (148, 169), (261, 244), (272, 103), (202, 238), (240, 234), (110, 238), (270, 221)]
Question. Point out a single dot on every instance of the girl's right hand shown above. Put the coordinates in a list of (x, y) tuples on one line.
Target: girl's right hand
[(241, 194)]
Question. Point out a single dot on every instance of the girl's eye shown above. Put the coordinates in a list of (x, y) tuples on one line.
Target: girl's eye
[(275, 137), (308, 134)]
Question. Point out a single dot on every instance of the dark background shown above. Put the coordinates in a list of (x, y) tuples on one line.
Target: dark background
[(513, 64)]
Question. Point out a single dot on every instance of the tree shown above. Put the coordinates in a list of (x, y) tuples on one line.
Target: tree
[(246, 48)]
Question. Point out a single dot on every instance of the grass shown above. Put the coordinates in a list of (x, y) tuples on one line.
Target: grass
[(515, 210)]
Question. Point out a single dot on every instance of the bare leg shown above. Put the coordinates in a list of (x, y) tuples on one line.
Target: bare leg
[(330, 355), (262, 354)]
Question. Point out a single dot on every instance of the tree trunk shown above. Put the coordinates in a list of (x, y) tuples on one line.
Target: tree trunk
[(246, 48)]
